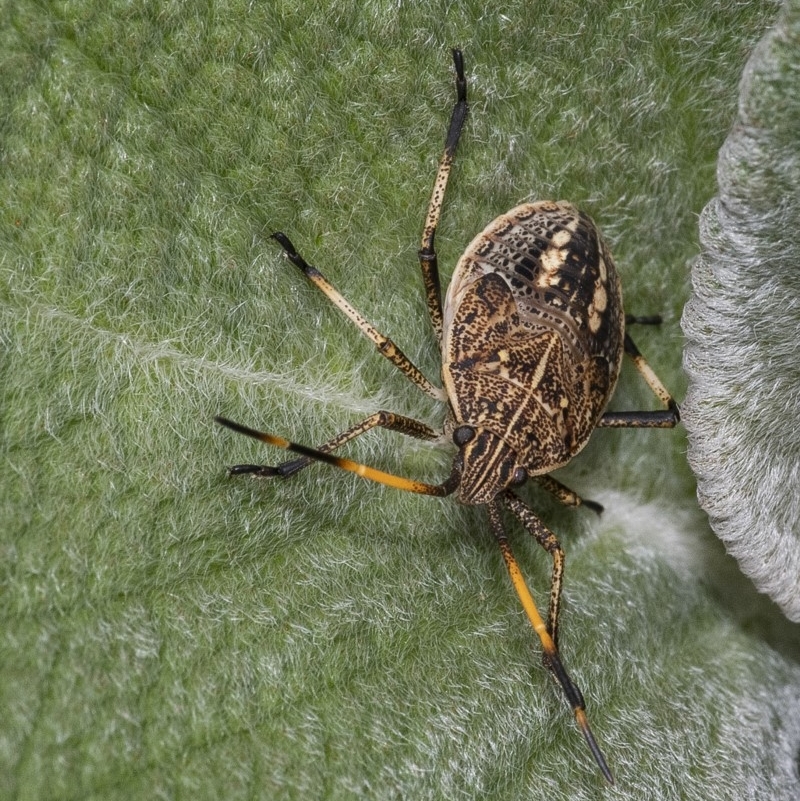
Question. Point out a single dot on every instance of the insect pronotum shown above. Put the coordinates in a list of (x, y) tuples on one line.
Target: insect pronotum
[(532, 335)]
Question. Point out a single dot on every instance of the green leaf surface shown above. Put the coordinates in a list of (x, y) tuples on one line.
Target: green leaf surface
[(169, 632)]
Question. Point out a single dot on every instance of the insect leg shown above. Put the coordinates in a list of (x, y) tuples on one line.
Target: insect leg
[(427, 253), (565, 495), (378, 476), (550, 543), (662, 418), (381, 419), (649, 319), (653, 381), (385, 346), (551, 654)]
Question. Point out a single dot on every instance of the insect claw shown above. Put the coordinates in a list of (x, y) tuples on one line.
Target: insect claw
[(575, 698), (283, 470), (598, 508), (461, 81), (583, 725), (248, 469), (284, 242), (649, 319)]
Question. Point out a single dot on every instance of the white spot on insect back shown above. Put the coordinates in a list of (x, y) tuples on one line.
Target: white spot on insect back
[(600, 300), (552, 260), (601, 266), (561, 238), (597, 307)]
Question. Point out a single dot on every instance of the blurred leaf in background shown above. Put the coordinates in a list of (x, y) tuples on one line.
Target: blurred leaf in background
[(742, 326)]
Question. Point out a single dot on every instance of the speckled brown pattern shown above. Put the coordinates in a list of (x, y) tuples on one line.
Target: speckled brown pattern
[(534, 328)]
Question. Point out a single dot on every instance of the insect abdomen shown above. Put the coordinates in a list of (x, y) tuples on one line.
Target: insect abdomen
[(558, 269), (549, 338)]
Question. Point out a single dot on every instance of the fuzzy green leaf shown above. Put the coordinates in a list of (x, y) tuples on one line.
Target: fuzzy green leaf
[(169, 632), (742, 324)]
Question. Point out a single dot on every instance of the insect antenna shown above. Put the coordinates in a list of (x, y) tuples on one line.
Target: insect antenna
[(447, 487)]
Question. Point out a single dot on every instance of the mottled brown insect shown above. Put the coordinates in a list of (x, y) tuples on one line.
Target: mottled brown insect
[(532, 335)]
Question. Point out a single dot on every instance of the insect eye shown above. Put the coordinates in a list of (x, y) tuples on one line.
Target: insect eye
[(520, 477), (463, 434)]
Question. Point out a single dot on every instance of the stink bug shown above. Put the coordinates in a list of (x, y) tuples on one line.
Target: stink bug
[(532, 335)]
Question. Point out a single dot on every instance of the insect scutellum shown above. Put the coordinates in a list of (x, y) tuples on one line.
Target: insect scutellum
[(532, 335)]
